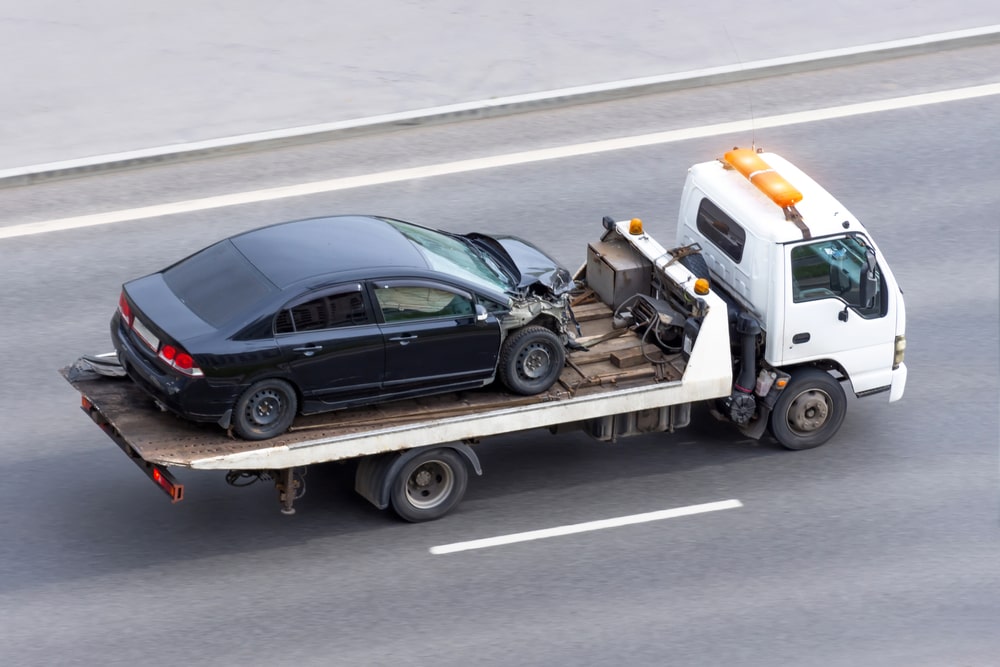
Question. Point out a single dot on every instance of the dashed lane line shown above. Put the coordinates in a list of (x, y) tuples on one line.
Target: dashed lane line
[(589, 526)]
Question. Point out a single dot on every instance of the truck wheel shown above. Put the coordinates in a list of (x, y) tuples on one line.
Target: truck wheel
[(265, 410), (809, 411), (531, 360), (429, 485)]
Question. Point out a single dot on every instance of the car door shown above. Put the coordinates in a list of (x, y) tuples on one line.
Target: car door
[(829, 315), (432, 335), (331, 343)]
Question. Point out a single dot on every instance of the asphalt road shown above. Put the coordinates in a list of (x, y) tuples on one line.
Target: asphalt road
[(880, 548)]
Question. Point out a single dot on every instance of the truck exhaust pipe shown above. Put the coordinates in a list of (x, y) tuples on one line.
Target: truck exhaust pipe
[(741, 404)]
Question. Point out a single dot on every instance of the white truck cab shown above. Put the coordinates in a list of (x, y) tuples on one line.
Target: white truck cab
[(786, 251)]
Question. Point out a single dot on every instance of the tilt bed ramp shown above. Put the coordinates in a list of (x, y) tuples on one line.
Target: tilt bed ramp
[(414, 455)]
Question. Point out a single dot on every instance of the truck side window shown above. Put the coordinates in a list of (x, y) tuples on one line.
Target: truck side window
[(835, 268), (721, 230)]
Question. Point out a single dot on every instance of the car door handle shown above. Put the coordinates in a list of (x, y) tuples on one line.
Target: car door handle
[(404, 339), (308, 350), (801, 338)]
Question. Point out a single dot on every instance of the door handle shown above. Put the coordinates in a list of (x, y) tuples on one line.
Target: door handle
[(801, 338), (404, 339), (308, 350)]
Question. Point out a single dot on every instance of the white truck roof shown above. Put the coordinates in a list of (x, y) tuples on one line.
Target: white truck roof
[(821, 212)]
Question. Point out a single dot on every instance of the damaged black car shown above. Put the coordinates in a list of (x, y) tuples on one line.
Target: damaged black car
[(336, 312)]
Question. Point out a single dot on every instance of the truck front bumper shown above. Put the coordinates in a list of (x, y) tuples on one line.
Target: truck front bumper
[(898, 383)]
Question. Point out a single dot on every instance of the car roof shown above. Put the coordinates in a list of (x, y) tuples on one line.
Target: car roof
[(289, 252)]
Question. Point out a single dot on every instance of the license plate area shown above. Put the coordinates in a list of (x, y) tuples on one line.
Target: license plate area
[(146, 335)]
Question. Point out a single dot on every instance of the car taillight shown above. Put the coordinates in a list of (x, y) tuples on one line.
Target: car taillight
[(180, 360), (125, 309)]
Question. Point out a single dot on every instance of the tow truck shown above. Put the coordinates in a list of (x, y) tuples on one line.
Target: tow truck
[(773, 304)]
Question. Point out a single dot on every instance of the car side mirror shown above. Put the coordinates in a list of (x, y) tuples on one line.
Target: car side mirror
[(481, 314)]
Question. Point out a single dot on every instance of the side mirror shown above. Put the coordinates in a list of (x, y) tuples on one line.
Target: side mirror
[(868, 281), (481, 314)]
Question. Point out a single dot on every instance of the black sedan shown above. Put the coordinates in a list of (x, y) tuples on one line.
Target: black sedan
[(336, 312)]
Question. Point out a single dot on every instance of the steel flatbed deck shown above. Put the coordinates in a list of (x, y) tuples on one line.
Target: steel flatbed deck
[(618, 373)]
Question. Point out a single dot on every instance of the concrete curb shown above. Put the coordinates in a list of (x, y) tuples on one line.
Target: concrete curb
[(502, 106)]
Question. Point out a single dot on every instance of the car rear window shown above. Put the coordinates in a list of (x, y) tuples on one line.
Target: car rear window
[(217, 283)]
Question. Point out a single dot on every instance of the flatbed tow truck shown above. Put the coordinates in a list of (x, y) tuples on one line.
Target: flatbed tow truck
[(659, 330)]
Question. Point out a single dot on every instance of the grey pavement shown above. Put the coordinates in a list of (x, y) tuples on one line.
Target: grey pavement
[(111, 76)]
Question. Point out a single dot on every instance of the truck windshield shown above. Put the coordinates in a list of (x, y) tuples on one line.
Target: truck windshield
[(835, 268)]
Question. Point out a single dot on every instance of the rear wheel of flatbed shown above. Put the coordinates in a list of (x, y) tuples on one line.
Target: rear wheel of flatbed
[(429, 485)]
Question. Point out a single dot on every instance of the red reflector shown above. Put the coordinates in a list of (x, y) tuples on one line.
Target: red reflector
[(175, 491), (168, 352), (184, 361), (85, 402)]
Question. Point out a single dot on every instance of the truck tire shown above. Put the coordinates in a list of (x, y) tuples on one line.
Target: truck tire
[(429, 485), (809, 411), (265, 410), (531, 360)]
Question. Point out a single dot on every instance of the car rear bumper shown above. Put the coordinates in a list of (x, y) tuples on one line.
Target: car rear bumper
[(196, 399)]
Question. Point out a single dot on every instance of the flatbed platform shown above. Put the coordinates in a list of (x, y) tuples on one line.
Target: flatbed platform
[(615, 362)]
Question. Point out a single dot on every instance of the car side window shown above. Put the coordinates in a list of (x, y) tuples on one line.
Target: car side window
[(339, 309), (401, 302)]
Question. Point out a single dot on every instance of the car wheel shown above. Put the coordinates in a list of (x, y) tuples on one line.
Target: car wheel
[(265, 410), (531, 360), (429, 485), (809, 411)]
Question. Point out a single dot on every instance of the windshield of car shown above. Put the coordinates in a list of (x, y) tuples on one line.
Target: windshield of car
[(454, 256), (217, 283)]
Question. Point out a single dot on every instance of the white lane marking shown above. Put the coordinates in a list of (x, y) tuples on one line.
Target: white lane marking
[(589, 526), (510, 159)]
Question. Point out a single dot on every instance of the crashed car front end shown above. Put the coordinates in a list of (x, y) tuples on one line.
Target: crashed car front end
[(543, 286)]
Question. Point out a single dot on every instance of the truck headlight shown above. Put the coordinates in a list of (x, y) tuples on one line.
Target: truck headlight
[(900, 350)]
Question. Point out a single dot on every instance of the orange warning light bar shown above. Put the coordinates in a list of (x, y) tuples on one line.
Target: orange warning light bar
[(763, 177)]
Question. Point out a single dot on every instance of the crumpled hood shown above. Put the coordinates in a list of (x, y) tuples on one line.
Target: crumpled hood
[(526, 262)]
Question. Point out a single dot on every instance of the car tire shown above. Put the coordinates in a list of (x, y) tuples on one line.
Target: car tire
[(429, 485), (265, 410), (531, 360), (809, 411)]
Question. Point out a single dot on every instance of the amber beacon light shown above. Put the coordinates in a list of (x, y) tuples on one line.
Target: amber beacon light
[(763, 177)]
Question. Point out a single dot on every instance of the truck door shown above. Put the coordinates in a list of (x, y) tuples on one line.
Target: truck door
[(837, 307)]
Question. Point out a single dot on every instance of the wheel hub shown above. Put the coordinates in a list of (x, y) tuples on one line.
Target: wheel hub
[(264, 407), (809, 411), (429, 485), (536, 362)]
